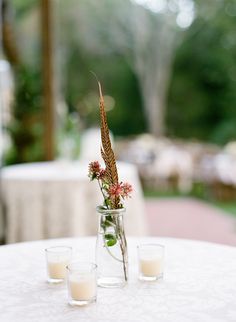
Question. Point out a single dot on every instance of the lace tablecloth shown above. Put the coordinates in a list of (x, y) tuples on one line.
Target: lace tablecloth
[(56, 199), (199, 286)]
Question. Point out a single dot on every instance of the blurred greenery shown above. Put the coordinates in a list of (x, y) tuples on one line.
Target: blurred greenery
[(26, 127), (201, 100), (23, 7), (229, 207), (117, 80), (202, 96)]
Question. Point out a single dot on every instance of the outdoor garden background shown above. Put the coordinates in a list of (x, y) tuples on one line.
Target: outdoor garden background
[(168, 72)]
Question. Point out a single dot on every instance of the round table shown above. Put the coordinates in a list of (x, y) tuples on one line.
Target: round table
[(199, 285), (56, 199)]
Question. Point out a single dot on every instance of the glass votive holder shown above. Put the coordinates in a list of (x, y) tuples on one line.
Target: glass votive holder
[(82, 283), (151, 262), (57, 258)]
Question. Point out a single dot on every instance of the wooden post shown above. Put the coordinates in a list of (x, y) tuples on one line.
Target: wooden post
[(48, 83)]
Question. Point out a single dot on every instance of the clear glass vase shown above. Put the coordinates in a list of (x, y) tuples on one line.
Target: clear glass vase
[(111, 248)]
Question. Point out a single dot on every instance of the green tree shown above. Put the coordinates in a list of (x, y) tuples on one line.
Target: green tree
[(26, 127), (202, 96)]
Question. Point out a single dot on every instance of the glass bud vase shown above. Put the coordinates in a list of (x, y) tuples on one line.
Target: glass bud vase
[(111, 248)]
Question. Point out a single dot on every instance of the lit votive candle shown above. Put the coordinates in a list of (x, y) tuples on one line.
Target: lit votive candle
[(151, 262), (57, 259), (82, 283)]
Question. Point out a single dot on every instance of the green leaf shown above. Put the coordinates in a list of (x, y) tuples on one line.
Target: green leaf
[(109, 236), (111, 242), (108, 221)]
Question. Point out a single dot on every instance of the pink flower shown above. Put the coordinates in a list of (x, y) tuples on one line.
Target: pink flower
[(94, 170), (102, 174), (126, 190), (115, 190), (94, 166), (120, 190)]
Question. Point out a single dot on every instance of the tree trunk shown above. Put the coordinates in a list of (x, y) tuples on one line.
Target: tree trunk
[(155, 111), (152, 63), (48, 79)]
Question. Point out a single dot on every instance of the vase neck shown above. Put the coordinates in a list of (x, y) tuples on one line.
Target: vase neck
[(110, 212)]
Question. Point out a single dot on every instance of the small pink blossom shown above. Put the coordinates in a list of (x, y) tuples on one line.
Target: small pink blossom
[(120, 190), (115, 190), (126, 190), (94, 170), (102, 174)]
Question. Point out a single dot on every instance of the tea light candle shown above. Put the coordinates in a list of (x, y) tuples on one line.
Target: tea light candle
[(82, 283), (58, 258), (82, 288), (57, 270), (151, 267), (151, 260)]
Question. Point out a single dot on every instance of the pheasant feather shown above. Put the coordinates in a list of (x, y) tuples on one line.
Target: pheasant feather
[(106, 148)]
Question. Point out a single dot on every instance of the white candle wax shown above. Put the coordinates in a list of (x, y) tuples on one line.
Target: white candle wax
[(151, 266), (57, 269), (82, 288)]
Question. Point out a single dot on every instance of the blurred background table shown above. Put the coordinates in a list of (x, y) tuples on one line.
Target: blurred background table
[(199, 285), (56, 199)]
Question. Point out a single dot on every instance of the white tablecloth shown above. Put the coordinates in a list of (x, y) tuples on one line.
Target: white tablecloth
[(199, 286), (56, 199)]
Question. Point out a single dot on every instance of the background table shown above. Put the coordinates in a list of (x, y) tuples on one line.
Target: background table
[(199, 285), (56, 199)]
